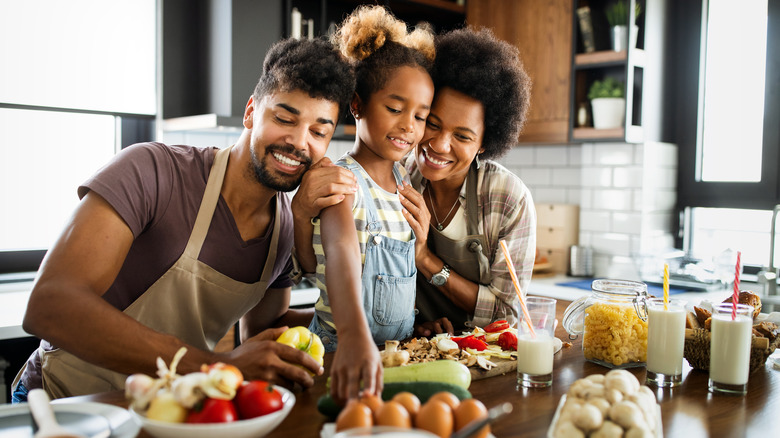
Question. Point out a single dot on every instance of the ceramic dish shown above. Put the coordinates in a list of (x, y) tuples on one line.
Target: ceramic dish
[(90, 419), (251, 428), (659, 430)]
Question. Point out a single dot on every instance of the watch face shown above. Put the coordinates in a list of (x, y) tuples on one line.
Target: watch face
[(438, 279)]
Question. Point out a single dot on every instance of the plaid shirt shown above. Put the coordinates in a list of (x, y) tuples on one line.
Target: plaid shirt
[(506, 211)]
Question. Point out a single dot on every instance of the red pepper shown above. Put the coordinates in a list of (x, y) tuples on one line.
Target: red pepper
[(507, 341), (471, 342), (497, 326)]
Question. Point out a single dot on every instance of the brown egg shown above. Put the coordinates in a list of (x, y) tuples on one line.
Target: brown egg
[(435, 416), (354, 414), (374, 402), (447, 397), (469, 410), (393, 414), (409, 401)]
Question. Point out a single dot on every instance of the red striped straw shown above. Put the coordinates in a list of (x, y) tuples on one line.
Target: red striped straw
[(735, 296)]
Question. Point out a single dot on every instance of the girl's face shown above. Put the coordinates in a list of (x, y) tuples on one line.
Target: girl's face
[(393, 118), (453, 136)]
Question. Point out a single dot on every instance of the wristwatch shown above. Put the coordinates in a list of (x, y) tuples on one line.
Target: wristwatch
[(441, 277)]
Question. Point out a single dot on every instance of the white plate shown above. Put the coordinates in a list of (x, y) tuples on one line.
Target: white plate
[(84, 418), (659, 430), (253, 427)]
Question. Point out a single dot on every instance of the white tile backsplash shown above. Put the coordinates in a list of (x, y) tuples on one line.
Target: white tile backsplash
[(629, 176), (613, 154), (552, 156), (612, 199), (597, 177), (569, 177)]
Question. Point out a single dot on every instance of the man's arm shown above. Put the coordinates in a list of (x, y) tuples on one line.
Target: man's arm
[(357, 358), (66, 305), (323, 185), (66, 308)]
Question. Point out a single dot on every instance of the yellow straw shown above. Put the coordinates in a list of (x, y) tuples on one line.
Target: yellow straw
[(666, 286), (510, 266)]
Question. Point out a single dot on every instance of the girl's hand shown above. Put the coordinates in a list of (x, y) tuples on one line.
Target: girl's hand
[(418, 216)]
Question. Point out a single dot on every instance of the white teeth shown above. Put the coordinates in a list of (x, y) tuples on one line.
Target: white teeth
[(284, 160), (399, 140), (432, 160)]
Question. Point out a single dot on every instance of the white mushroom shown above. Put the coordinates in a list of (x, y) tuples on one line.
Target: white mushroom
[(613, 395), (567, 429), (588, 418), (608, 430), (601, 403), (594, 391), (627, 415), (621, 380), (596, 378), (639, 432)]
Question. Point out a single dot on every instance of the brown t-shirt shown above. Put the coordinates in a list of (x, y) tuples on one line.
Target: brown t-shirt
[(157, 190)]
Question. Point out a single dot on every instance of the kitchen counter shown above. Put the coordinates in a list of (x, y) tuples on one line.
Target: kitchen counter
[(688, 411), (548, 286)]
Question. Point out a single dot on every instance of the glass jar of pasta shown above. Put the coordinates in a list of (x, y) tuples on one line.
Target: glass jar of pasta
[(613, 323)]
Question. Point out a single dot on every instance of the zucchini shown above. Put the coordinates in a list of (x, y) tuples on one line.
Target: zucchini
[(423, 390), (445, 371)]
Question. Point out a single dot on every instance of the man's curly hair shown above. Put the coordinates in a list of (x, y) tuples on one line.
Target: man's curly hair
[(377, 43), (312, 66), (481, 66)]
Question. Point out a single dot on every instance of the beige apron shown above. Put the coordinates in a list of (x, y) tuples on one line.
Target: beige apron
[(191, 301), (468, 257)]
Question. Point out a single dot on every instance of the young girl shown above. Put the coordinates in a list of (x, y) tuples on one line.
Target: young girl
[(366, 235)]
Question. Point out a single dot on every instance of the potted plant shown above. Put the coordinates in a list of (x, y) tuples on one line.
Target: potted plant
[(617, 17), (608, 103)]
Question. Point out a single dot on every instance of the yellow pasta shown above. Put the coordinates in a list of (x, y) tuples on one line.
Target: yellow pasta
[(614, 334)]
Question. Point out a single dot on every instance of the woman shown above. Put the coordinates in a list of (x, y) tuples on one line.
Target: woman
[(482, 96)]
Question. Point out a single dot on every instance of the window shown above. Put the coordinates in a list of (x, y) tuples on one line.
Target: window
[(728, 182), (74, 73)]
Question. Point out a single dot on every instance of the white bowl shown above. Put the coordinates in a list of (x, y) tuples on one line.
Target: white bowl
[(251, 428)]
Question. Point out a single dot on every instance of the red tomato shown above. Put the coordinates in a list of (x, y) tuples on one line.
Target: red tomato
[(497, 326), (257, 398), (213, 410)]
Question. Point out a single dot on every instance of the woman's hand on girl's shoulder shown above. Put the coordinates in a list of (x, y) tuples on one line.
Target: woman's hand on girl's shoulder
[(416, 213)]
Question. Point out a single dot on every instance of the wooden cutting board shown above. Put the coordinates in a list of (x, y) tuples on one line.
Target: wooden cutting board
[(503, 366)]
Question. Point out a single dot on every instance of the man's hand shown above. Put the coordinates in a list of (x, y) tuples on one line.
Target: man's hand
[(261, 357), (429, 328), (356, 365), (323, 185)]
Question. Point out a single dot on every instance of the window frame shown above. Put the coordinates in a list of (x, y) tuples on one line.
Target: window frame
[(763, 195)]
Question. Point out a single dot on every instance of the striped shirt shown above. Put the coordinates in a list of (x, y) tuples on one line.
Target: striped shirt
[(506, 211), (392, 224)]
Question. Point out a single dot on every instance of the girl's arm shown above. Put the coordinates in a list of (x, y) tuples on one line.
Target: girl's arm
[(357, 358)]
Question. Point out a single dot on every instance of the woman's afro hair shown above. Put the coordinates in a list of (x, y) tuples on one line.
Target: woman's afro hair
[(377, 43), (312, 66), (481, 66)]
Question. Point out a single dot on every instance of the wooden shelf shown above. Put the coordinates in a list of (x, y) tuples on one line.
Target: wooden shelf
[(593, 133), (601, 57)]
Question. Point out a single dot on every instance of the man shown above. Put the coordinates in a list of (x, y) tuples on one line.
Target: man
[(171, 245)]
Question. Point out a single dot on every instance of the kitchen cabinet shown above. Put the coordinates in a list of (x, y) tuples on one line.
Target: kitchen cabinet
[(542, 31), (213, 50)]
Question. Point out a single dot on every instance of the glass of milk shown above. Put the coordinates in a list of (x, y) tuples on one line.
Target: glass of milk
[(535, 350), (730, 349), (665, 342)]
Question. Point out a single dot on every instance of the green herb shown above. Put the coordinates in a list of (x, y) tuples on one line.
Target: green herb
[(609, 87), (617, 13)]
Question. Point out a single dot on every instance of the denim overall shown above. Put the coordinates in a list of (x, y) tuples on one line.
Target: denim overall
[(388, 280)]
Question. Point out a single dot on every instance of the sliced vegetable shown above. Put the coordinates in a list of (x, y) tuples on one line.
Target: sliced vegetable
[(446, 371), (497, 326), (508, 341), (472, 342)]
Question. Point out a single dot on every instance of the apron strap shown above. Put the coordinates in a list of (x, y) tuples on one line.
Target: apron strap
[(270, 260), (472, 199), (208, 203)]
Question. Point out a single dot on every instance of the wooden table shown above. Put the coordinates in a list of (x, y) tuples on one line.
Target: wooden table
[(688, 411)]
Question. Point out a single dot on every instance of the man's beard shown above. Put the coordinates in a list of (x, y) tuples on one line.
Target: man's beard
[(266, 177)]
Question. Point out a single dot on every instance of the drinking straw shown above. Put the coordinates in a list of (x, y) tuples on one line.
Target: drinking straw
[(735, 296), (511, 267), (666, 286)]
